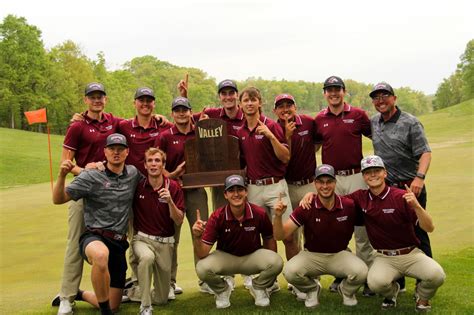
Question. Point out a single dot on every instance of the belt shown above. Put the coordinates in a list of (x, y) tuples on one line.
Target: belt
[(300, 182), (166, 240), (265, 181), (402, 183), (396, 252), (109, 234), (348, 172)]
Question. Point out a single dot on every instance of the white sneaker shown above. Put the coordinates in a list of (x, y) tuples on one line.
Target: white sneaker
[(346, 299), (312, 297), (171, 295), (204, 288), (65, 307), (260, 296), (300, 296), (146, 310), (177, 289), (248, 282), (223, 298), (275, 287)]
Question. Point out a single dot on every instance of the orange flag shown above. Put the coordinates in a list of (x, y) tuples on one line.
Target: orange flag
[(36, 116)]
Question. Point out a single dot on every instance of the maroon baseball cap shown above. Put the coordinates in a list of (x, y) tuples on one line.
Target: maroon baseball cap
[(282, 97), (334, 81)]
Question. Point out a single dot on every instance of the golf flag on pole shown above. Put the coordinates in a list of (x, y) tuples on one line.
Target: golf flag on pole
[(36, 116)]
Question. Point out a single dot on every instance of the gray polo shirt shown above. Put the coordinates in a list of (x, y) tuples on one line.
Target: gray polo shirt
[(107, 197), (400, 142)]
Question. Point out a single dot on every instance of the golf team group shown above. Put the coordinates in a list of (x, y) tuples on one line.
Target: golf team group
[(127, 191)]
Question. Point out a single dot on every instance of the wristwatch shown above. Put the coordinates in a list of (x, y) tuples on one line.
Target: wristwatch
[(421, 175)]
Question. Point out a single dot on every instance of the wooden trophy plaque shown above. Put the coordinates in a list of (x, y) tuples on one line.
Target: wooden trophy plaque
[(211, 156)]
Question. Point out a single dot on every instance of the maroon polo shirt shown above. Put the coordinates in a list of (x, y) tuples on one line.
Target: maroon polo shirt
[(257, 151), (171, 141), (233, 124), (389, 221), (327, 231), (151, 214), (341, 136), (235, 237), (139, 139), (303, 158), (87, 137)]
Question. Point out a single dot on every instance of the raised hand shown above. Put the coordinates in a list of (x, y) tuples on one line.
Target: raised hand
[(290, 127), (262, 129), (280, 207), (164, 194), (199, 226), (410, 198), (183, 86), (66, 167)]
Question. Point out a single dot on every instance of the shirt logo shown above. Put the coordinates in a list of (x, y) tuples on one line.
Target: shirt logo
[(227, 230), (107, 184), (325, 125), (236, 127), (259, 137), (162, 200), (364, 210), (108, 127), (318, 220), (341, 219), (243, 138), (348, 121), (141, 197), (154, 134), (303, 133), (132, 135), (249, 228), (175, 142), (91, 130), (388, 211)]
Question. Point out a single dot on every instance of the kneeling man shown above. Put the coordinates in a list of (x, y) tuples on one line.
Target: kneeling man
[(108, 200), (328, 227), (238, 228)]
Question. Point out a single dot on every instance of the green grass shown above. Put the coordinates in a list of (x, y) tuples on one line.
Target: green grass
[(33, 231)]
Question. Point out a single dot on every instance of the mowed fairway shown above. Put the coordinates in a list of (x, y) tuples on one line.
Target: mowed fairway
[(33, 232)]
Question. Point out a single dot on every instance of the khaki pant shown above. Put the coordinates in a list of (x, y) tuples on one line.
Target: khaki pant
[(304, 268), (154, 259), (73, 263), (266, 196), (193, 199), (386, 269), (266, 263), (346, 185), (297, 192)]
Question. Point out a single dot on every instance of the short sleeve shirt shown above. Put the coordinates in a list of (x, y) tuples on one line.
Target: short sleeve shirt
[(400, 142), (236, 237), (107, 197)]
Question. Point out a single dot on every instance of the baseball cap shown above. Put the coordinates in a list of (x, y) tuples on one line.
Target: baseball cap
[(382, 86), (333, 81), (325, 170), (144, 91), (180, 101), (93, 87), (226, 83), (370, 162), (234, 180), (116, 138), (281, 97)]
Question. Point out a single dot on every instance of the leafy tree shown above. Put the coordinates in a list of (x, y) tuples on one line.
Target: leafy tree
[(467, 69)]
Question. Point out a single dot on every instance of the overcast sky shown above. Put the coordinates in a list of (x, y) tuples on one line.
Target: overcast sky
[(412, 43)]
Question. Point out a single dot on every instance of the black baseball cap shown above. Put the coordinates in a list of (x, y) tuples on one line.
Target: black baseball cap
[(227, 83), (93, 87), (334, 81), (325, 170), (382, 86), (144, 91), (234, 180), (180, 101), (116, 139)]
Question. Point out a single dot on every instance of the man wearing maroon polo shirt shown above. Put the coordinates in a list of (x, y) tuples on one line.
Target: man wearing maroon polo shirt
[(172, 143), (328, 227), (142, 131), (390, 215), (84, 142), (265, 153), (339, 129), (239, 228), (157, 207)]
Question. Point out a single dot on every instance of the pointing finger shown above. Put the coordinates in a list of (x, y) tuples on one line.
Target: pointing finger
[(407, 188), (280, 196), (198, 215), (69, 155), (186, 78)]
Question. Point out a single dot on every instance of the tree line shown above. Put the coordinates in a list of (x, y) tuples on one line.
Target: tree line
[(33, 77)]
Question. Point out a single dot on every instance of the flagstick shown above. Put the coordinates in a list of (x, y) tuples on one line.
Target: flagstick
[(50, 160)]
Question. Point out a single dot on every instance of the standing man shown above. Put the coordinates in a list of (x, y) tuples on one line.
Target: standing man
[(399, 139), (158, 206), (229, 112), (265, 153), (107, 203), (390, 215), (339, 129), (238, 228), (328, 227), (84, 142), (172, 143)]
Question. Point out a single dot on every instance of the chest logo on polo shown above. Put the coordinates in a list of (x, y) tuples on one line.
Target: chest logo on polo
[(325, 125), (109, 127), (249, 228), (348, 121), (236, 127), (162, 200), (107, 184), (92, 130), (388, 211), (318, 220), (364, 210), (154, 134), (259, 137), (341, 219), (132, 135), (227, 230), (141, 197), (303, 133), (176, 142)]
